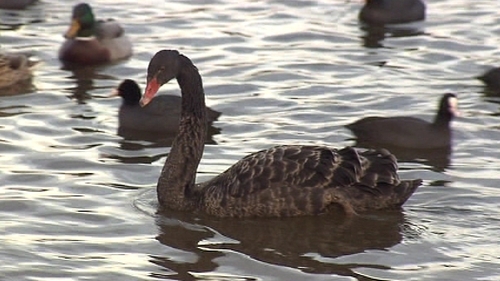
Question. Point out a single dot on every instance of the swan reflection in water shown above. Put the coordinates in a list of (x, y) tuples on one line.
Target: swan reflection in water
[(307, 243), (84, 81)]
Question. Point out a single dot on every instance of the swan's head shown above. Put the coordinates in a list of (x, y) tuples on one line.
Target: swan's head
[(163, 67)]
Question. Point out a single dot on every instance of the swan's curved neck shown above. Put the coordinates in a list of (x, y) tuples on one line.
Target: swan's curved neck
[(178, 176)]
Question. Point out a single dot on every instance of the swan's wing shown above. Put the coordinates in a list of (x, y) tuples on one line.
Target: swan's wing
[(297, 180), (308, 167)]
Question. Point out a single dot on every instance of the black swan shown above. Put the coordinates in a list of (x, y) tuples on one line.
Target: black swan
[(162, 114), (282, 181), (392, 11), (409, 132)]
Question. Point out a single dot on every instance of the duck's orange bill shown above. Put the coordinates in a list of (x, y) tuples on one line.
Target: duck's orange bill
[(151, 90), (73, 29)]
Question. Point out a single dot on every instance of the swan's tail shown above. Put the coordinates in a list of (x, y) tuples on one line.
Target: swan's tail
[(379, 186), (403, 192)]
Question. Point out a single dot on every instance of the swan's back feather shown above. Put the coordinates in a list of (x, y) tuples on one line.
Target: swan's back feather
[(289, 165)]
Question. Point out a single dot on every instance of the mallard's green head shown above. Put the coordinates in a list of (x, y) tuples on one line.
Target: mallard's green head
[(82, 22)]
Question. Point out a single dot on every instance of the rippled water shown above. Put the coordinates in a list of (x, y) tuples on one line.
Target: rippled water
[(78, 202)]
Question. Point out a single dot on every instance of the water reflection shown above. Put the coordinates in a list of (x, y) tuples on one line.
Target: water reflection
[(439, 158), (84, 79), (14, 110), (142, 141), (491, 94), (491, 88), (165, 139), (375, 34), (16, 19), (308, 243)]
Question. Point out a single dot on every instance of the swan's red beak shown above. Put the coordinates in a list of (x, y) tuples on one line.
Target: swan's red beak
[(151, 90)]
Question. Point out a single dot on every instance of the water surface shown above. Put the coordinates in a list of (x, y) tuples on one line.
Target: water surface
[(78, 201)]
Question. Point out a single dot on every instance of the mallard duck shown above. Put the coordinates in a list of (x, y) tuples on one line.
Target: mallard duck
[(392, 11), (14, 68), (407, 131), (90, 42), (15, 4), (282, 181)]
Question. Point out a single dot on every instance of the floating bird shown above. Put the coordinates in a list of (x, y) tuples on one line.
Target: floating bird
[(161, 115), (410, 132), (283, 181), (491, 78), (90, 42), (392, 11), (15, 4), (14, 69)]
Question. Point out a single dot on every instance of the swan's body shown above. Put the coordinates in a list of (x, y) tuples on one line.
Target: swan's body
[(279, 182), (392, 11), (89, 41), (407, 131)]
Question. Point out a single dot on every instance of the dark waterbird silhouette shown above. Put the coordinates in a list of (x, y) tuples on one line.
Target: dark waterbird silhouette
[(283, 243), (15, 4), (289, 180), (491, 79), (409, 132), (392, 11), (158, 120)]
